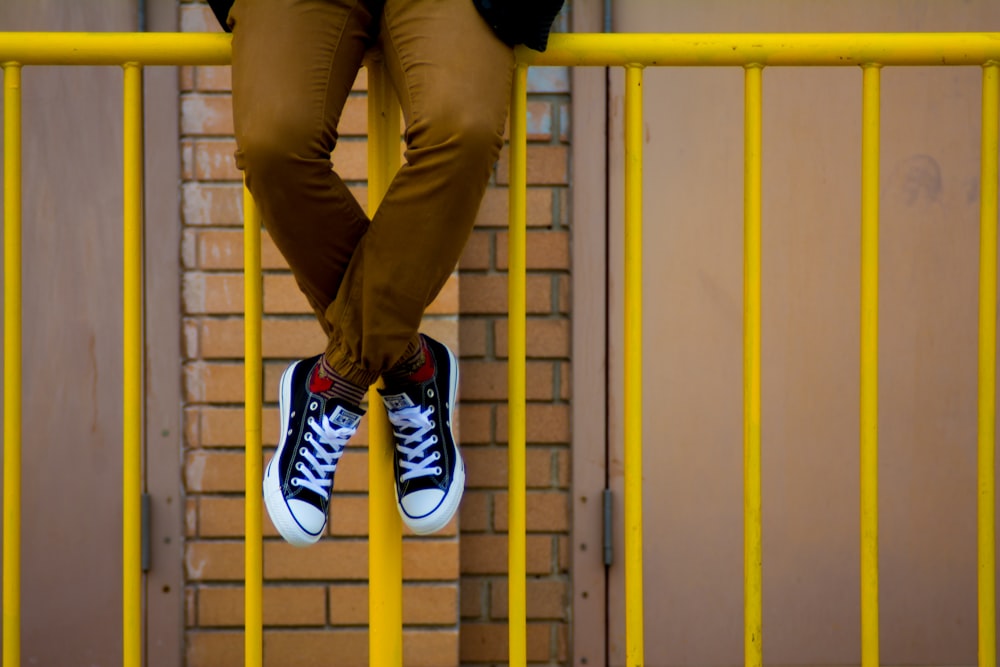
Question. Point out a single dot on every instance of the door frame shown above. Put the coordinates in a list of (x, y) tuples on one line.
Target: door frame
[(163, 420), (589, 347)]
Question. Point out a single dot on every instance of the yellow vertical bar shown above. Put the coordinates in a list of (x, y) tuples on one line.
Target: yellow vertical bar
[(869, 365), (385, 532), (987, 367), (12, 366), (132, 364), (633, 367), (516, 373), (752, 584), (253, 562)]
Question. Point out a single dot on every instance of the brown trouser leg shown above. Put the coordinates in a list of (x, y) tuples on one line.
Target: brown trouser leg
[(293, 65)]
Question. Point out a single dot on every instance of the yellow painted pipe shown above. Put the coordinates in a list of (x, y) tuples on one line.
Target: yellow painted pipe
[(132, 363), (516, 373), (986, 532), (12, 366), (385, 541), (633, 367), (615, 50), (869, 366), (752, 556), (766, 49), (253, 544)]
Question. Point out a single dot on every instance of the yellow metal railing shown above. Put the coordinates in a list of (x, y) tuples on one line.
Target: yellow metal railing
[(753, 52)]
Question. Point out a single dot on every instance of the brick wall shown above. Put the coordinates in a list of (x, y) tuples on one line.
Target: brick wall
[(315, 600)]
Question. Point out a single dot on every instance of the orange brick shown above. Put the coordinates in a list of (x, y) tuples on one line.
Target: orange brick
[(547, 511), (282, 606), (212, 204), (214, 471), (430, 648), (348, 514), (218, 293), (487, 294), (325, 560), (213, 160), (283, 296), (314, 648), (430, 604), (190, 517), (546, 423), (206, 114), (271, 258), (487, 554), (546, 249), (350, 159), (565, 381), (494, 209), (213, 382), (546, 338), (475, 512), (185, 78), (477, 252), (221, 427), (547, 165), (486, 467), (563, 293), (214, 561), (214, 78), (477, 423), (348, 604), (562, 546), (220, 249), (292, 339), (473, 596), (354, 117), (487, 380), (488, 642), (446, 301), (361, 81), (214, 649), (539, 121), (472, 337), (187, 159), (563, 468), (430, 560), (220, 516), (546, 599)]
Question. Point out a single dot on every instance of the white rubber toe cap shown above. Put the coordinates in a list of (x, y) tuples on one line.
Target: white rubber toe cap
[(421, 503), (309, 518)]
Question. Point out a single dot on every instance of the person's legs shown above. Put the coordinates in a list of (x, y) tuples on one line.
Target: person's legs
[(453, 78), (294, 62)]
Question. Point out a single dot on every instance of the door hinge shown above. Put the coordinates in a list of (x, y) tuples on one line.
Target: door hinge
[(144, 510), (609, 543)]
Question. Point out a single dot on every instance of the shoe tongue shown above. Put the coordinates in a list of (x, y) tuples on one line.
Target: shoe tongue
[(397, 401), (344, 418)]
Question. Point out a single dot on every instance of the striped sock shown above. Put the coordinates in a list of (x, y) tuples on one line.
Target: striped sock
[(414, 369), (326, 383)]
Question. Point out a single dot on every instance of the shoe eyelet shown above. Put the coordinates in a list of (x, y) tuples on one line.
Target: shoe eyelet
[(438, 470), (302, 451), (289, 431), (435, 456), (313, 405), (433, 439), (295, 481), (430, 392)]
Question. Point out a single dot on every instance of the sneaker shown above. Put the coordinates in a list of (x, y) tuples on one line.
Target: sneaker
[(299, 477), (429, 472)]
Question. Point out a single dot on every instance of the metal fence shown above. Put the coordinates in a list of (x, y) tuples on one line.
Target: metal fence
[(633, 52)]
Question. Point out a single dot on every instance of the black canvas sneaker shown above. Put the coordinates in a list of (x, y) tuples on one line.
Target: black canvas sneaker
[(299, 477), (430, 474)]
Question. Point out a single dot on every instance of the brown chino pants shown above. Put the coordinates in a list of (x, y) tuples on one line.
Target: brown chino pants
[(294, 62)]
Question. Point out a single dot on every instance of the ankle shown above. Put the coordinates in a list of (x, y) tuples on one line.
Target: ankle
[(325, 382)]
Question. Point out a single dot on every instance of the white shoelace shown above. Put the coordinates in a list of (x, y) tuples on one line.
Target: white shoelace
[(417, 463), (328, 445)]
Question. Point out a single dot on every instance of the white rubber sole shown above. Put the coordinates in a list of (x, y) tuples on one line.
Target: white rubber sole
[(438, 519), (274, 499)]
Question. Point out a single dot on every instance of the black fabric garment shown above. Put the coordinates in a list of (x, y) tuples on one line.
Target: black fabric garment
[(525, 22), (221, 9), (516, 22)]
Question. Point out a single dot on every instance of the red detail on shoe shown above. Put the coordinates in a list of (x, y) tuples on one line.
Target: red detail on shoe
[(317, 384), (425, 372)]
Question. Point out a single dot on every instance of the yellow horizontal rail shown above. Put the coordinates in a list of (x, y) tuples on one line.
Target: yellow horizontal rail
[(598, 50)]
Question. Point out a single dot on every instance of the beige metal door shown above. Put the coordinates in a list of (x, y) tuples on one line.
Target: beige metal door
[(72, 322), (693, 345)]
